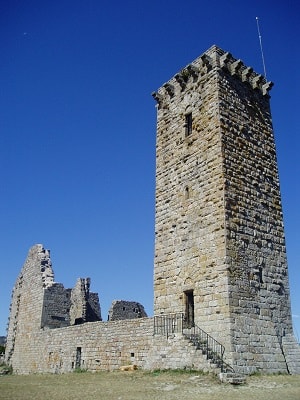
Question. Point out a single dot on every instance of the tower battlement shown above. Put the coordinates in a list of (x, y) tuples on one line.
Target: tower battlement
[(213, 58)]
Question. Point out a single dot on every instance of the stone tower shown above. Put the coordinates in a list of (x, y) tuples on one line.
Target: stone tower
[(220, 256)]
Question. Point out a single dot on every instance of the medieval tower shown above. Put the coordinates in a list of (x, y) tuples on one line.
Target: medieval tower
[(220, 256)]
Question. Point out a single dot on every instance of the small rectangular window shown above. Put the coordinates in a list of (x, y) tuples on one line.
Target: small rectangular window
[(78, 357), (188, 124)]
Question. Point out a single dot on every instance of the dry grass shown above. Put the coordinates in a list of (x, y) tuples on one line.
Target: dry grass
[(142, 385)]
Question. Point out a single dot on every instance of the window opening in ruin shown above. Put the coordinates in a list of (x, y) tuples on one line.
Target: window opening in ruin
[(131, 354), (189, 308), (78, 357), (188, 124)]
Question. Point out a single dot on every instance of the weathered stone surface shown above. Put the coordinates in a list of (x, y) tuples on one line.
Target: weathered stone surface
[(40, 303), (122, 309), (291, 350), (233, 378), (85, 306), (220, 254)]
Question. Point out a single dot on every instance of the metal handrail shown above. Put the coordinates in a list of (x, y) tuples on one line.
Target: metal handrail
[(213, 349), (168, 324)]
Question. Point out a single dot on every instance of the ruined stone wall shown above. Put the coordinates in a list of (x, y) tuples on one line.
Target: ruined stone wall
[(27, 302), (56, 306), (121, 309), (94, 309), (34, 348), (39, 302), (85, 306)]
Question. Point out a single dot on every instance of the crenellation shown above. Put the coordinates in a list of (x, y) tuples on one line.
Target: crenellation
[(246, 74), (169, 89), (236, 67)]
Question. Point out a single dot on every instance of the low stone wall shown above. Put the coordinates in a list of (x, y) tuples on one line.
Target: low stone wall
[(94, 346), (106, 346)]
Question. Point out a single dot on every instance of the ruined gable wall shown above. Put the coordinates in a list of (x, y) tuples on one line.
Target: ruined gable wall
[(27, 302)]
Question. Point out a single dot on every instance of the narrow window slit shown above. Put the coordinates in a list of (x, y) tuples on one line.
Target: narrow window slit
[(188, 124)]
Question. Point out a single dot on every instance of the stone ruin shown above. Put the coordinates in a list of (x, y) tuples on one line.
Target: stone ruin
[(221, 291), (66, 307), (121, 309)]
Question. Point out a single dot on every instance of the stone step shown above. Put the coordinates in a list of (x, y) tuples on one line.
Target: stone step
[(232, 378), (291, 350)]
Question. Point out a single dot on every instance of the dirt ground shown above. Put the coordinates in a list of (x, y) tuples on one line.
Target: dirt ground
[(146, 385)]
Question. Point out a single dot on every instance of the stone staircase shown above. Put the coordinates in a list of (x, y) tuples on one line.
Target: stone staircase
[(209, 350), (291, 351), (214, 352)]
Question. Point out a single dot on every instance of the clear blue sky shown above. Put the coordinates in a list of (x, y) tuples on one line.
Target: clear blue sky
[(77, 128)]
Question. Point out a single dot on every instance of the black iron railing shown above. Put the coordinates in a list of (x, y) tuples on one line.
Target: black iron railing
[(168, 324)]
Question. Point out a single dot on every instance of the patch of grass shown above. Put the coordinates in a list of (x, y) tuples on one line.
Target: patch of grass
[(179, 371), (137, 385)]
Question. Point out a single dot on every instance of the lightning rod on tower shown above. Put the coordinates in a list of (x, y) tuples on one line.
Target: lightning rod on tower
[(261, 48)]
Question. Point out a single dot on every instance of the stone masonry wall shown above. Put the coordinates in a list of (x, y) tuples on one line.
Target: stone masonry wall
[(56, 306), (34, 348), (39, 302), (94, 346), (27, 302), (190, 217), (121, 309), (85, 306), (220, 253), (258, 279)]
